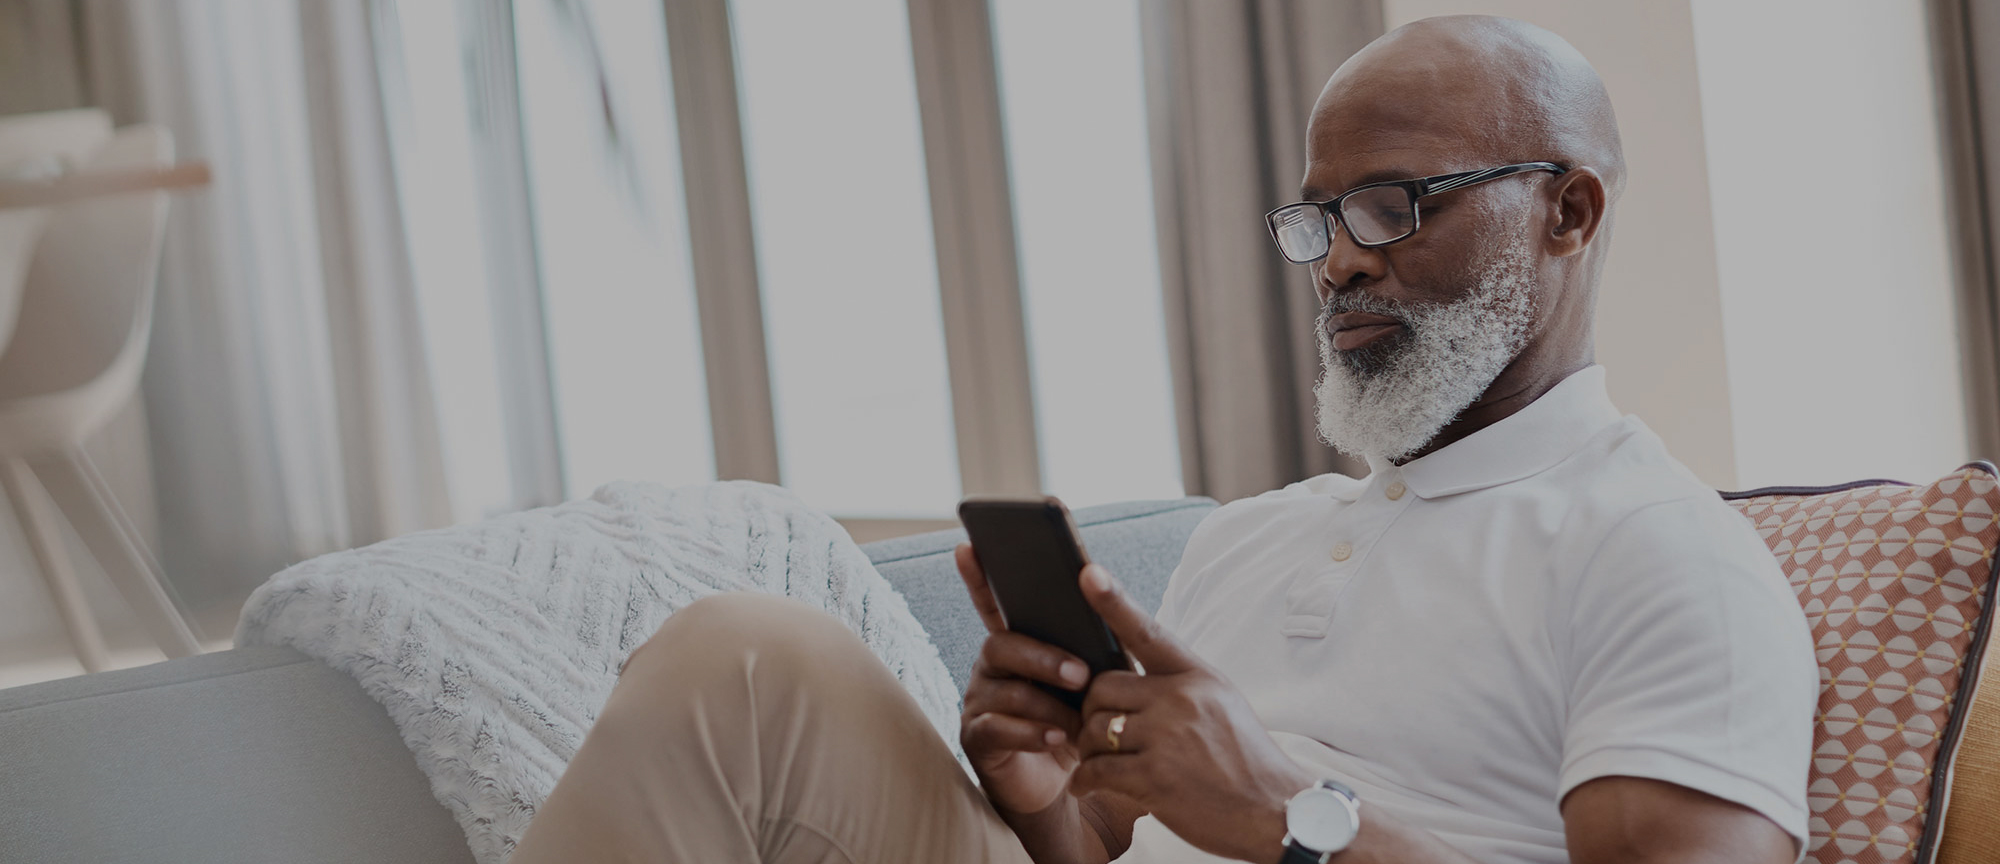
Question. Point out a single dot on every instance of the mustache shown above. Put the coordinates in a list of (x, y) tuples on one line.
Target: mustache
[(1359, 302)]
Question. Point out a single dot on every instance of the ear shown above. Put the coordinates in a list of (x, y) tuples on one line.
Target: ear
[(1579, 211)]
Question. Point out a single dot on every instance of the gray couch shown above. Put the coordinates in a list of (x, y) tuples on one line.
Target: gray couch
[(266, 755)]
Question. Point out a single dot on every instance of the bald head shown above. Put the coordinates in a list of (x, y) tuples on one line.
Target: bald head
[(1496, 89)]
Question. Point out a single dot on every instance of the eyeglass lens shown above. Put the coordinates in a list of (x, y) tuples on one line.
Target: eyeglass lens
[(1301, 232), (1379, 215)]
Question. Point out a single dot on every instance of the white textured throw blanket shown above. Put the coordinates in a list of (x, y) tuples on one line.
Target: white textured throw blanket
[(494, 645)]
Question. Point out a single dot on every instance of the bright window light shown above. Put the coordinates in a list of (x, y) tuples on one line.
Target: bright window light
[(1840, 365), (610, 222), (1072, 89), (433, 153), (844, 254)]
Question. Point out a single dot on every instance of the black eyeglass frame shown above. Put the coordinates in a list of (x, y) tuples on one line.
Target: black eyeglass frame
[(1417, 189)]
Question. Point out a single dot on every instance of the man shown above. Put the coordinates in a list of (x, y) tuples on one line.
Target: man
[(1528, 636)]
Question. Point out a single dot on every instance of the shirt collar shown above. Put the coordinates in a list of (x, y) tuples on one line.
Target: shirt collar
[(1528, 442)]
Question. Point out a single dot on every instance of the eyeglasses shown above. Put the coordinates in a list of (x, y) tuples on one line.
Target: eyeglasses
[(1377, 214)]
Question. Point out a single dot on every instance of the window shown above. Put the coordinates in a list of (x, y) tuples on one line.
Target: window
[(603, 164), (1073, 95), (567, 339), (432, 127), (844, 252)]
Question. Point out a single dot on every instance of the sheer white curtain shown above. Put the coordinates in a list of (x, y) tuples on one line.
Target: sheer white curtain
[(290, 409)]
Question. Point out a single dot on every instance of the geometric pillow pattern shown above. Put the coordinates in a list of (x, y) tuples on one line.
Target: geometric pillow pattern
[(1896, 582)]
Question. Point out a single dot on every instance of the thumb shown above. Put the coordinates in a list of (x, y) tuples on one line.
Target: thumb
[(1142, 637)]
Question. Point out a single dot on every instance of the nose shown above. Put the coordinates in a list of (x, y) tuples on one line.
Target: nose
[(1346, 266)]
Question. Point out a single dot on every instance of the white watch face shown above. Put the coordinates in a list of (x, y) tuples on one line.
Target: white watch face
[(1319, 819)]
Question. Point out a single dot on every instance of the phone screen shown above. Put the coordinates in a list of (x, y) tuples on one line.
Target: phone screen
[(1031, 555)]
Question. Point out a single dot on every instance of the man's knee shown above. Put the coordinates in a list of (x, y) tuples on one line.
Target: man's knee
[(782, 636)]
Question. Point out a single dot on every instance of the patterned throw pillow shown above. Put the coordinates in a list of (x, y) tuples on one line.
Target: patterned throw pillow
[(1895, 583)]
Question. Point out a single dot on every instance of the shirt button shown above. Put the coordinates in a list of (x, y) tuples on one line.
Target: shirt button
[(1342, 550), (1396, 491)]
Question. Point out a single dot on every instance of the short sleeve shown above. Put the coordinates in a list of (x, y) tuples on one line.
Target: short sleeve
[(1689, 662), (1204, 544), (1173, 604)]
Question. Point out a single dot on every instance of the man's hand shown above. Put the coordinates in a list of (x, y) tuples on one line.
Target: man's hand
[(1021, 741), (1018, 737), (1191, 751)]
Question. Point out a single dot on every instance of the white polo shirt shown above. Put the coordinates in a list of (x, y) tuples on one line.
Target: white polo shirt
[(1465, 638)]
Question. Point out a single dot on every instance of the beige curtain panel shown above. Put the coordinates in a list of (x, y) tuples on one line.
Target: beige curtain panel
[(1240, 321), (1966, 36)]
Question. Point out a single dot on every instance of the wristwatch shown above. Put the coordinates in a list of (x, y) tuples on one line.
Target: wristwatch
[(1319, 822)]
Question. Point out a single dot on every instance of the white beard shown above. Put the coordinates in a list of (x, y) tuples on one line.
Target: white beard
[(1446, 357)]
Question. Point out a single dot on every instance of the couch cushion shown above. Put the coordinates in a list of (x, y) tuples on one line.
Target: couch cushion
[(258, 754), (1895, 582), (1140, 542)]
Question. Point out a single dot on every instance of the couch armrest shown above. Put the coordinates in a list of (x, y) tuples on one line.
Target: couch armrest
[(255, 754)]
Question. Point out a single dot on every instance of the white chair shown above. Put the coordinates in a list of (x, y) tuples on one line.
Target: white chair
[(34, 147), (78, 347)]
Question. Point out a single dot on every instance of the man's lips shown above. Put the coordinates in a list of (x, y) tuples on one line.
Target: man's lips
[(1351, 330)]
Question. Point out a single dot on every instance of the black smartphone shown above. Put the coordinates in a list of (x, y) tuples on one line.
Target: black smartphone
[(1031, 553)]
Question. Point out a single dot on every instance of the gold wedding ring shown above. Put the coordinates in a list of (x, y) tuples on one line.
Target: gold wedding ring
[(1114, 729)]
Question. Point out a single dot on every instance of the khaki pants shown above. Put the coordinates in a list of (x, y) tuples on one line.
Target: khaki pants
[(753, 728)]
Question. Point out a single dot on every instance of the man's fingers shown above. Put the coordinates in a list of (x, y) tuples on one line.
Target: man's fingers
[(1012, 655), (1136, 630), (1020, 699), (1119, 691), (996, 733), (975, 584)]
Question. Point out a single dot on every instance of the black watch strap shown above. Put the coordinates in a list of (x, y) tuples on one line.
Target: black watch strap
[(1296, 854)]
